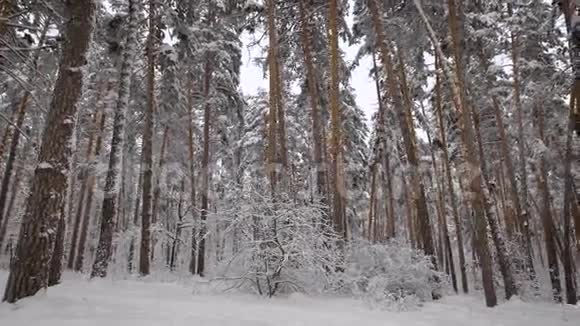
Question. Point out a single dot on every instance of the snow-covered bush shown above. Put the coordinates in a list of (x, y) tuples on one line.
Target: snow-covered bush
[(280, 246), (391, 275)]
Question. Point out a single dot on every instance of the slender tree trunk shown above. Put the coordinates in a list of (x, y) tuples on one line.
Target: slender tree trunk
[(12, 156), (20, 114), (449, 179), (383, 156), (131, 256), (405, 120), (157, 189), (109, 208), (80, 206), (336, 143), (547, 219), (191, 152), (522, 157), (147, 151), (272, 150), (320, 166), (568, 260), (91, 184), (410, 139), (439, 182), (14, 193), (30, 268), (205, 168), (472, 170)]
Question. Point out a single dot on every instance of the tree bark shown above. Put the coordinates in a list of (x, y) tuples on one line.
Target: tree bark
[(568, 259), (449, 179), (147, 151), (205, 168), (335, 117), (30, 268), (14, 193), (191, 152), (522, 158), (317, 130), (80, 206), (272, 150), (404, 106), (109, 208), (86, 212), (547, 219), (472, 170), (157, 189)]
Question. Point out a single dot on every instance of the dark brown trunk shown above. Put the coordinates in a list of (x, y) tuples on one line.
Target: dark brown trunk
[(205, 169), (56, 261), (30, 268), (339, 190), (191, 152), (320, 166), (147, 151)]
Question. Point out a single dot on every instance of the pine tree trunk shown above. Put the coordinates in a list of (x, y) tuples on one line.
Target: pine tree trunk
[(147, 150), (383, 156), (56, 261), (30, 268), (191, 152), (320, 165), (272, 150), (91, 184), (109, 208), (8, 133), (335, 107), (12, 156), (405, 120), (372, 205), (439, 182), (522, 158), (20, 113), (410, 139), (205, 168), (568, 259), (449, 179), (409, 211), (13, 193), (80, 205), (547, 219), (472, 170), (157, 191)]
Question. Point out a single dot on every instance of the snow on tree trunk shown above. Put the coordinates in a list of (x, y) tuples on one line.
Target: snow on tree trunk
[(109, 211), (472, 169), (30, 268), (147, 150)]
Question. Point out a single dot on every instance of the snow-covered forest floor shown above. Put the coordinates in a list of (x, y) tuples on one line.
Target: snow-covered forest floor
[(142, 302)]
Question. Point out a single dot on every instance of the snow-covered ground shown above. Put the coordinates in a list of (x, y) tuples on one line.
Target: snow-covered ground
[(142, 303)]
